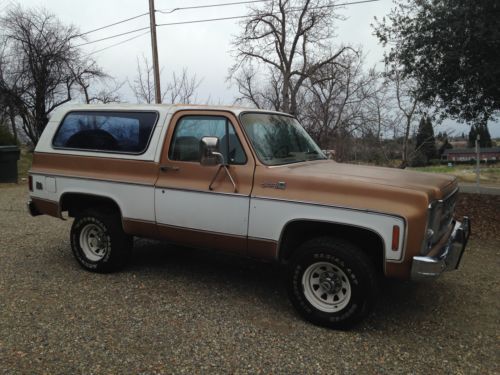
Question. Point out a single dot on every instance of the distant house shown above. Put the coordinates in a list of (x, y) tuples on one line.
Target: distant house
[(467, 154)]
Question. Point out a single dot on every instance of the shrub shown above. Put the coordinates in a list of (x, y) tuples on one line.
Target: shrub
[(6, 138)]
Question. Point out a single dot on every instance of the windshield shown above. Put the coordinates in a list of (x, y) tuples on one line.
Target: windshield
[(279, 139)]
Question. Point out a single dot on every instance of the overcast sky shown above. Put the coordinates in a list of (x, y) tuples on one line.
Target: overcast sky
[(203, 48)]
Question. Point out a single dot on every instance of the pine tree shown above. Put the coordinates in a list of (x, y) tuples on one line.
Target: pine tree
[(426, 143), (472, 136), (484, 136)]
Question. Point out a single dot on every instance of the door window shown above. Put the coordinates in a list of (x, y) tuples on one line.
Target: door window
[(189, 131)]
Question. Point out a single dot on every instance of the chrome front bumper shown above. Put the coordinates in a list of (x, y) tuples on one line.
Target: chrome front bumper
[(448, 259)]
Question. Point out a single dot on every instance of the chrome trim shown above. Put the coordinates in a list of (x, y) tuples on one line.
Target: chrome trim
[(437, 204), (329, 205), (91, 178), (202, 191), (425, 267)]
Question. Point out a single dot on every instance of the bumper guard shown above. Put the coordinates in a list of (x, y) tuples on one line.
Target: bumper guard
[(448, 259)]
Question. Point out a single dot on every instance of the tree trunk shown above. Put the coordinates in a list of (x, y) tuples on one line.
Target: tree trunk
[(12, 117)]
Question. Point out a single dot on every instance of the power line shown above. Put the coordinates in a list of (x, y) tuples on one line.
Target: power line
[(114, 24), (260, 1), (117, 44), (200, 21), (164, 11), (210, 19), (112, 36), (249, 16)]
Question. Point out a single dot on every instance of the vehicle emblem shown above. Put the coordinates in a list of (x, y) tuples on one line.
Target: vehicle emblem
[(281, 185)]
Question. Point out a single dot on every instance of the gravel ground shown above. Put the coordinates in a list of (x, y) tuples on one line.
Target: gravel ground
[(175, 310)]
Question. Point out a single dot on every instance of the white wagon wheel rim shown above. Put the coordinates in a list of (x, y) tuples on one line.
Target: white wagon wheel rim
[(93, 242), (326, 287)]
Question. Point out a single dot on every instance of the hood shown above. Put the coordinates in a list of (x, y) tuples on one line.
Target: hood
[(326, 181), (433, 184)]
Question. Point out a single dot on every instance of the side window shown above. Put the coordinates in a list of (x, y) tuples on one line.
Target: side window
[(189, 131), (121, 132)]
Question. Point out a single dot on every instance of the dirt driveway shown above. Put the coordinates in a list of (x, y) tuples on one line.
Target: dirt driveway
[(175, 310)]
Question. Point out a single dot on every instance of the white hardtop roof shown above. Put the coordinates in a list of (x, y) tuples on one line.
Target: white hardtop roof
[(161, 107)]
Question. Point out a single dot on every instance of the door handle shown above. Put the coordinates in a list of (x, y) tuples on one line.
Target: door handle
[(166, 168)]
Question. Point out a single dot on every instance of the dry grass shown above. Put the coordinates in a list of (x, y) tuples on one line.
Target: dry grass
[(467, 173)]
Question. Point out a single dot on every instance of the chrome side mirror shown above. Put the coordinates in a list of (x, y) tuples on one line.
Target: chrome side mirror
[(209, 152)]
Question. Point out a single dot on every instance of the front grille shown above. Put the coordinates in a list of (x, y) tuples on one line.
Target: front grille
[(447, 212), (440, 217)]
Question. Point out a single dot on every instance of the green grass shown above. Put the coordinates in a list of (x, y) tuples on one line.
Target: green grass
[(489, 174)]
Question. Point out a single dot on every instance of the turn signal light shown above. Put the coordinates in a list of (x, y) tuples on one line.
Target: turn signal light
[(395, 238)]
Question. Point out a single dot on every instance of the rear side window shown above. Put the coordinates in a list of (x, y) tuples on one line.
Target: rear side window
[(121, 132)]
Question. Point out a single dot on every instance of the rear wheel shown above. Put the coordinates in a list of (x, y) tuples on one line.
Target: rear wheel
[(331, 282), (98, 241)]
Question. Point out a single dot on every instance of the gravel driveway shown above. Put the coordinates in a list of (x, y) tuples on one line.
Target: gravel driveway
[(176, 310)]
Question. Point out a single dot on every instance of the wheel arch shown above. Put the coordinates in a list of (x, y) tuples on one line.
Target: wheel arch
[(297, 231), (73, 202)]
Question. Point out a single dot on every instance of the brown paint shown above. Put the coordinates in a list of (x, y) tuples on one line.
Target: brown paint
[(382, 190), (140, 228), (99, 168), (204, 239), (193, 176), (259, 248), (47, 207)]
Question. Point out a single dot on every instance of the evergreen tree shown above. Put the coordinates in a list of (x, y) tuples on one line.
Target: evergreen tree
[(425, 142), (485, 140), (484, 136), (472, 136)]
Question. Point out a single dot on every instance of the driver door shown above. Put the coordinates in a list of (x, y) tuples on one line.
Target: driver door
[(187, 211)]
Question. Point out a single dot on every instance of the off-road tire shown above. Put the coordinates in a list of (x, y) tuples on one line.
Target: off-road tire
[(356, 271), (116, 244)]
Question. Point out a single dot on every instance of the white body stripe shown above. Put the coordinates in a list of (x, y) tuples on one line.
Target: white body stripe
[(222, 213), (268, 218), (135, 201)]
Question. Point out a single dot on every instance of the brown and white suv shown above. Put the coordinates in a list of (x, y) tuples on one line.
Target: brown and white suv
[(246, 182)]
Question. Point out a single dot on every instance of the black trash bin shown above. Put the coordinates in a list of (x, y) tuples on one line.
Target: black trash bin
[(9, 155)]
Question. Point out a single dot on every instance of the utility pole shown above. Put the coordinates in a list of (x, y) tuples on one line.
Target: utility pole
[(154, 47)]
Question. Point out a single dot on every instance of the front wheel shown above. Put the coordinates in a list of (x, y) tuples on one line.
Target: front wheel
[(331, 282), (98, 241)]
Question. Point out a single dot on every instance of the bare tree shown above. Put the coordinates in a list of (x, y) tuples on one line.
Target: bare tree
[(180, 89), (408, 105), (108, 92), (39, 66), (143, 85), (267, 96), (289, 37), (88, 76), (336, 98)]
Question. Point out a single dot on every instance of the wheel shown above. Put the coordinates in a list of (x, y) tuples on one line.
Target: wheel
[(331, 282), (98, 241)]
